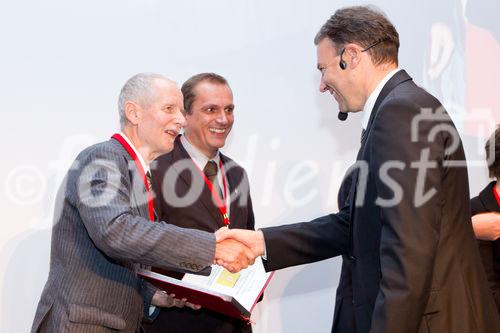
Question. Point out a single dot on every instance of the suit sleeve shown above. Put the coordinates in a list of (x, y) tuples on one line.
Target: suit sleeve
[(302, 243), (410, 229), (103, 199), (307, 242), (147, 292)]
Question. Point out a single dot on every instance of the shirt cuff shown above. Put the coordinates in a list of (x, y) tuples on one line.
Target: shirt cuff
[(264, 256), (152, 309)]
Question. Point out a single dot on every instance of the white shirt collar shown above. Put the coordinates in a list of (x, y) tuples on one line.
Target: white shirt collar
[(201, 160), (198, 157), (139, 156), (370, 102)]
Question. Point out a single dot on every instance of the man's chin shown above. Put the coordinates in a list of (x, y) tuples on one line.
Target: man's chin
[(217, 143), (167, 149)]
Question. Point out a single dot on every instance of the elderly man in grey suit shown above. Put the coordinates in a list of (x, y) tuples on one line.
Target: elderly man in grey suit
[(104, 223)]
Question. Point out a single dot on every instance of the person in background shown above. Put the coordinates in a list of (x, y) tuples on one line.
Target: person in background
[(487, 226)]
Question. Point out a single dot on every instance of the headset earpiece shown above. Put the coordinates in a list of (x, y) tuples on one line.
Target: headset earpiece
[(342, 63)]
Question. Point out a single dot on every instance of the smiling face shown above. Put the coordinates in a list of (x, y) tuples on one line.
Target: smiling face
[(340, 83), (161, 118), (210, 118)]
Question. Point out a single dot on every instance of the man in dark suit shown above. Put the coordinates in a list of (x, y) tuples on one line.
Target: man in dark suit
[(183, 197), (406, 230), (104, 223)]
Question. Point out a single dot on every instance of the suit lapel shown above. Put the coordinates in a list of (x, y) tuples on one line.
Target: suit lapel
[(138, 194), (393, 82), (232, 188), (192, 174)]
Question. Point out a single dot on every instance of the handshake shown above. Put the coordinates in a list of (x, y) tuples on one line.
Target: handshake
[(238, 248), (235, 250)]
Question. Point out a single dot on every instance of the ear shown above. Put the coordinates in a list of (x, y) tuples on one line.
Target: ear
[(132, 112), (352, 55)]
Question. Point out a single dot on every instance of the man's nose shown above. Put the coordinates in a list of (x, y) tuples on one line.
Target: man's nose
[(181, 120), (322, 86), (222, 118)]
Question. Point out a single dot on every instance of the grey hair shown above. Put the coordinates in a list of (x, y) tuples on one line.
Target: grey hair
[(139, 88)]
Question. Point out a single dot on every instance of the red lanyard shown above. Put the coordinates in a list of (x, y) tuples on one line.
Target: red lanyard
[(118, 137), (496, 194), (221, 203)]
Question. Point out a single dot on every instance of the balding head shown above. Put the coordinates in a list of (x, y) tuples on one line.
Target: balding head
[(141, 89)]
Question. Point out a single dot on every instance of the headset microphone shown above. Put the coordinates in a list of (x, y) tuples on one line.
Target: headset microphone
[(342, 63)]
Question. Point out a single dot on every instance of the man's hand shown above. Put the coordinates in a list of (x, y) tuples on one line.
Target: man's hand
[(486, 226), (232, 255), (254, 240), (164, 300)]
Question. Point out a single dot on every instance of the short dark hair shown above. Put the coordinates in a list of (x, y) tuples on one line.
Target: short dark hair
[(493, 147), (365, 26), (188, 88)]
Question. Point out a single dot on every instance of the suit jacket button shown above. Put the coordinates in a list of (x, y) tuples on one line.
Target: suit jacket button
[(353, 258)]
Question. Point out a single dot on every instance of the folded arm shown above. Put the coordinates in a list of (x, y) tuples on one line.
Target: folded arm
[(486, 226)]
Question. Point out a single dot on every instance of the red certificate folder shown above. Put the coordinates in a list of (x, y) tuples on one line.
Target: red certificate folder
[(218, 292)]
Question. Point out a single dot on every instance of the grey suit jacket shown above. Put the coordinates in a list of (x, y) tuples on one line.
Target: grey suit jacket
[(101, 231)]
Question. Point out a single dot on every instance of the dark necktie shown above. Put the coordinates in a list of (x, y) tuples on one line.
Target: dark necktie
[(210, 171), (149, 179), (363, 136)]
